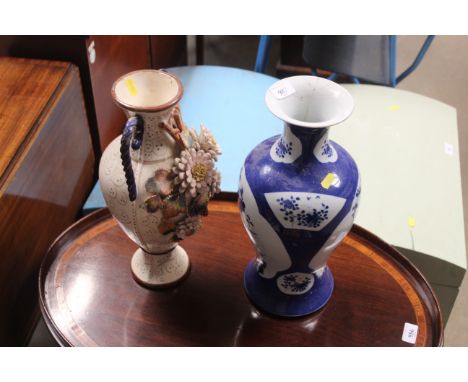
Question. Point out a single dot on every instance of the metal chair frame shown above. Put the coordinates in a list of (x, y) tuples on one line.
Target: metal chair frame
[(264, 45)]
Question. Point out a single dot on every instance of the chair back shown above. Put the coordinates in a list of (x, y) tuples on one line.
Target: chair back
[(364, 57)]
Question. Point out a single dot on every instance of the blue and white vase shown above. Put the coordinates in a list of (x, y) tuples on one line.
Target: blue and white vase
[(298, 195)]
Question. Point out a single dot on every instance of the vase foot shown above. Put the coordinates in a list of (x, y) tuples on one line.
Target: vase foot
[(266, 295), (160, 271)]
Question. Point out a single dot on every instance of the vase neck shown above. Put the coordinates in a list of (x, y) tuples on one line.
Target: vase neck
[(308, 137), (158, 143), (152, 120)]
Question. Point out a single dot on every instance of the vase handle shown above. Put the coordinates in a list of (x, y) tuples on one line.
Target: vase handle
[(133, 132)]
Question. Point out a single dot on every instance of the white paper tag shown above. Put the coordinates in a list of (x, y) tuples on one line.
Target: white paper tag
[(448, 148), (282, 90), (410, 333)]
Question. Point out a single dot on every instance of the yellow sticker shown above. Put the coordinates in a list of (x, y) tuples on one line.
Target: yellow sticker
[(132, 89), (411, 222), (329, 180), (394, 107)]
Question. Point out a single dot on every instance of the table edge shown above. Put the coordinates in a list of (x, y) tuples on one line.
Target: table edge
[(229, 197)]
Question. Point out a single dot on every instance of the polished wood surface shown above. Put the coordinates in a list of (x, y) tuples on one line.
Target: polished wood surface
[(23, 88), (114, 56), (61, 48), (89, 298), (46, 174)]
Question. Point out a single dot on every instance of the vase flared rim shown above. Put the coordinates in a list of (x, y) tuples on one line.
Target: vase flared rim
[(337, 93), (148, 109)]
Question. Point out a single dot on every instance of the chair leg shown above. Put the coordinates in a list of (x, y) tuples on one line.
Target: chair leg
[(417, 60), (262, 53), (332, 77), (393, 42)]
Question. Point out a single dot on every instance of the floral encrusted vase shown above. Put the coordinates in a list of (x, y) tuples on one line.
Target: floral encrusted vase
[(298, 195), (158, 176)]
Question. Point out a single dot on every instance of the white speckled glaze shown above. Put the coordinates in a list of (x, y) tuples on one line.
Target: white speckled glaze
[(157, 152), (163, 213)]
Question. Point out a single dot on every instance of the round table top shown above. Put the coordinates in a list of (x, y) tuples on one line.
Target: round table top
[(89, 298)]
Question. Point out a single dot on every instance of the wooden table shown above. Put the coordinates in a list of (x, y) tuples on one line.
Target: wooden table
[(88, 296)]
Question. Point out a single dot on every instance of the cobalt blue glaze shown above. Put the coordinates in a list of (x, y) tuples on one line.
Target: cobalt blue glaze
[(268, 297), (133, 131), (298, 196), (283, 177)]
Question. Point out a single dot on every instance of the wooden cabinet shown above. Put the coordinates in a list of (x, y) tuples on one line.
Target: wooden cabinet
[(46, 172), (101, 60)]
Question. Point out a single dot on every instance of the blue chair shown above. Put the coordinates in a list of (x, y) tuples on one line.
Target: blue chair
[(368, 58)]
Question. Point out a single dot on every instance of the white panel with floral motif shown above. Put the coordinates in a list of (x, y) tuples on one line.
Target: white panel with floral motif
[(324, 151), (295, 283), (304, 210), (270, 248), (287, 148)]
